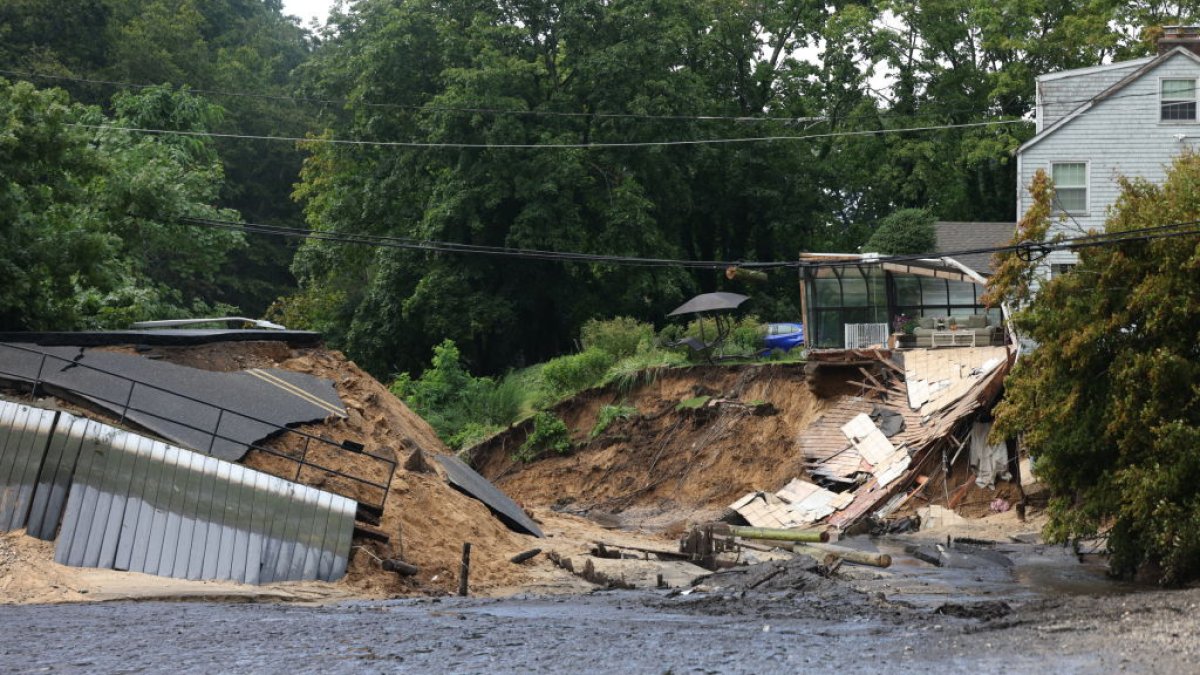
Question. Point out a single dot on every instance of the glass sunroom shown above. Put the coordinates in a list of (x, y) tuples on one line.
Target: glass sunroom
[(853, 302)]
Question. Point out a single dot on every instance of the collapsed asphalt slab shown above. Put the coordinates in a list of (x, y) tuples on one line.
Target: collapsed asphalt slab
[(181, 404)]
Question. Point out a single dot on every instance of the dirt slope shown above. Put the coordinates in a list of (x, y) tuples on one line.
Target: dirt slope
[(667, 466), (426, 518)]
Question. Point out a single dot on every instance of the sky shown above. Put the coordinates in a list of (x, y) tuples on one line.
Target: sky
[(307, 9)]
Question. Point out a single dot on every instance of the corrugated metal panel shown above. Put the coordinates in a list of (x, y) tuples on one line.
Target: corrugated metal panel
[(24, 437), (129, 502), (141, 505)]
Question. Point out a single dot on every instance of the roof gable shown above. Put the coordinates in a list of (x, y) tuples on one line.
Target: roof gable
[(1108, 93)]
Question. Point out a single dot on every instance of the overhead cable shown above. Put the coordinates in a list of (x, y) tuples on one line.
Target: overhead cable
[(545, 146), (435, 246)]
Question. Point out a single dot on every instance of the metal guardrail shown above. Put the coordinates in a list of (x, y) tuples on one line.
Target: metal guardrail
[(301, 463)]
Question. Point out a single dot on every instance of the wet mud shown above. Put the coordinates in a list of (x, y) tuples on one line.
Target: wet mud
[(1041, 611)]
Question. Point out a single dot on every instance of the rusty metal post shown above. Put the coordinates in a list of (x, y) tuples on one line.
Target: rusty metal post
[(216, 430), (464, 570), (128, 400)]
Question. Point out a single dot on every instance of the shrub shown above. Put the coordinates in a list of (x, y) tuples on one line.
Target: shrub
[(569, 374), (904, 231), (745, 336), (549, 433), (621, 337), (609, 414), (462, 409)]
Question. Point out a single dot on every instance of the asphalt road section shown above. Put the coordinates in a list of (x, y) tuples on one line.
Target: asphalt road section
[(183, 404), (469, 482)]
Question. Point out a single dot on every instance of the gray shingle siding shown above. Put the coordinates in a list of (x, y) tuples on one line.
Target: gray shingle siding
[(1121, 135), (1060, 93)]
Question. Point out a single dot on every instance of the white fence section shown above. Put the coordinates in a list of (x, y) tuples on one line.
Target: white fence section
[(866, 335)]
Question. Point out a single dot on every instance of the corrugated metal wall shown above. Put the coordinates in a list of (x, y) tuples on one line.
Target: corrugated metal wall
[(129, 502), (24, 435)]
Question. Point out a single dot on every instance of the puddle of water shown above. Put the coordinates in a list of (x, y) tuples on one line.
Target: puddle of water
[(1007, 571)]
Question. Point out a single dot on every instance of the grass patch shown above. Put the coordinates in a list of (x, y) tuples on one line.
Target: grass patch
[(609, 414)]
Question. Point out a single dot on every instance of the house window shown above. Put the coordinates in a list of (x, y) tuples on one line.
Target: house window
[(1070, 186), (1059, 269), (1178, 100)]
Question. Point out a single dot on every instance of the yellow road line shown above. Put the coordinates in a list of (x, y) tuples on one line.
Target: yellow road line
[(283, 384)]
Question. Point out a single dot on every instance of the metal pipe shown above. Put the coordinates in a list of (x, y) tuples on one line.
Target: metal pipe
[(852, 555), (773, 534)]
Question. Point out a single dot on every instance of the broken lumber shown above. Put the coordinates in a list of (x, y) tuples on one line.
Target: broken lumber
[(400, 567), (769, 533), (848, 554), (522, 557), (464, 570)]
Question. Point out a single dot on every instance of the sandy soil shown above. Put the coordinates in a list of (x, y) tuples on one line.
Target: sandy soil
[(667, 468)]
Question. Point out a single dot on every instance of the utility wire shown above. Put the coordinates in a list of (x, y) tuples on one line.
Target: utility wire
[(350, 104), (547, 146), (434, 246)]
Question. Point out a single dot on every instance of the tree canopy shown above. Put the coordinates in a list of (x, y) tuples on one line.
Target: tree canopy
[(1108, 404), (905, 231), (88, 219), (901, 104)]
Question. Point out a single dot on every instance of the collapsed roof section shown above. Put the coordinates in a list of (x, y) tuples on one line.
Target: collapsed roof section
[(869, 449)]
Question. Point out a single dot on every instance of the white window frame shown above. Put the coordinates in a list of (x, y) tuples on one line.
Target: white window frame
[(1087, 187), (1194, 119)]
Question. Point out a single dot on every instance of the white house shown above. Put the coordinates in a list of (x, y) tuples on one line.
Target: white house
[(1122, 119)]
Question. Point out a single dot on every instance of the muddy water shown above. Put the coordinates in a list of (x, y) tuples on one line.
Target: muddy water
[(872, 622)]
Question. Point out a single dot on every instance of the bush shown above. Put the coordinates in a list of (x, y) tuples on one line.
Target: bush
[(904, 231), (462, 409), (569, 374), (745, 336), (609, 414), (549, 434), (621, 337)]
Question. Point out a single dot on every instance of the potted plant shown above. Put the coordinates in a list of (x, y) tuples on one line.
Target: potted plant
[(903, 327)]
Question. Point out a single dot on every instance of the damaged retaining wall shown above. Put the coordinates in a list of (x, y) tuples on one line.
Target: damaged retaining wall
[(128, 502)]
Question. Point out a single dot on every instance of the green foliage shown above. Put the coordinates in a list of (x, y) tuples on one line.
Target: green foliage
[(745, 336), (462, 409), (1109, 402), (905, 231), (621, 337), (89, 220), (549, 434), (693, 403), (609, 414), (576, 372), (643, 368)]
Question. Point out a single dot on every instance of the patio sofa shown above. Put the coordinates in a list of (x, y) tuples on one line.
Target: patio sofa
[(922, 336)]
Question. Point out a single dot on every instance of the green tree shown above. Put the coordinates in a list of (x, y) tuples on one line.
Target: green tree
[(1108, 403), (89, 219), (905, 231)]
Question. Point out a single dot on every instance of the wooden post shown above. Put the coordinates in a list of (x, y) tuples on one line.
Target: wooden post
[(464, 571)]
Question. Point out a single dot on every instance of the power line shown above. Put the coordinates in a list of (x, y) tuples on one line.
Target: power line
[(476, 110), (350, 104), (547, 146), (434, 246)]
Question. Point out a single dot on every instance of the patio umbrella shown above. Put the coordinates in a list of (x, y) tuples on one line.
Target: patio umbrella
[(709, 302)]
